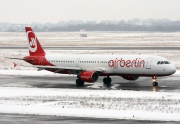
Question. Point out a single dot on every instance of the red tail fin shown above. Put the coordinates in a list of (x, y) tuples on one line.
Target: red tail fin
[(35, 48)]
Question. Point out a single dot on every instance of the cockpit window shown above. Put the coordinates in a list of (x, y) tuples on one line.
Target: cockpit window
[(163, 62), (166, 62)]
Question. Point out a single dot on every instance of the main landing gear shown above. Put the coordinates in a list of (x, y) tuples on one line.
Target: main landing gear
[(155, 83), (79, 82), (107, 80)]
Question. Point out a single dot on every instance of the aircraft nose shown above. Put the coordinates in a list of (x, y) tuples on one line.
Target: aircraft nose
[(172, 69)]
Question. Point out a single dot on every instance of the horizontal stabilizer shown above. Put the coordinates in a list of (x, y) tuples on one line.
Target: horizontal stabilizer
[(14, 58)]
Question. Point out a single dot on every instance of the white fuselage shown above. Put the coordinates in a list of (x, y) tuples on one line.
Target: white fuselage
[(142, 65)]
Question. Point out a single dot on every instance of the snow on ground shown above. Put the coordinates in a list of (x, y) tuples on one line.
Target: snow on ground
[(113, 104), (94, 39), (91, 103), (117, 104)]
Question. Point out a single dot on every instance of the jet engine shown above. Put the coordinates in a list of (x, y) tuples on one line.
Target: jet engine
[(88, 76), (130, 77)]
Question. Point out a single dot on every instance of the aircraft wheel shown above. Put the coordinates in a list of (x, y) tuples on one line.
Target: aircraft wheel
[(79, 82), (104, 80), (155, 83), (107, 81)]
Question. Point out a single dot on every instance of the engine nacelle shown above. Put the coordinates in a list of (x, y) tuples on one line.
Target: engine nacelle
[(130, 77), (89, 76)]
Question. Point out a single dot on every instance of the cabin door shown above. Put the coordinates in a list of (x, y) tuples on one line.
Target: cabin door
[(77, 62), (148, 63)]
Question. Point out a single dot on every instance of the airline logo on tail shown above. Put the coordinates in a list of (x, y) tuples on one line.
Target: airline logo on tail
[(35, 48), (32, 41)]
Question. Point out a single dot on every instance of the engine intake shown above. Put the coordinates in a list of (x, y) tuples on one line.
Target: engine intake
[(89, 76), (131, 78)]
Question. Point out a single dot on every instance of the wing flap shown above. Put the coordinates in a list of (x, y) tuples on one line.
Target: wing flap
[(57, 67)]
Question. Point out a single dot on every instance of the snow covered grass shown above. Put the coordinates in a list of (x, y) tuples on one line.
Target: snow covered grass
[(94, 39), (89, 103), (107, 39)]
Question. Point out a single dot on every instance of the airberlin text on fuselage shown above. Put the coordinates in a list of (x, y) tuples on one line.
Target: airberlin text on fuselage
[(138, 63)]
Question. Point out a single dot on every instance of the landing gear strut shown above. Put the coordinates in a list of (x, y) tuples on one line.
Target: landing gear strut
[(155, 83), (79, 82), (107, 80)]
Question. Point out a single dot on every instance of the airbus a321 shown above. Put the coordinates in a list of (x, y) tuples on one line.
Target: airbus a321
[(88, 68)]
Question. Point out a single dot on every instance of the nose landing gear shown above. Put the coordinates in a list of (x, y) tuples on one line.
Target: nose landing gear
[(155, 83)]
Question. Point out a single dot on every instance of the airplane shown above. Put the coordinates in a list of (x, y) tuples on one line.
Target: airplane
[(88, 68)]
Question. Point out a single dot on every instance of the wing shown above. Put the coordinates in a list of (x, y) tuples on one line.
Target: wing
[(72, 70)]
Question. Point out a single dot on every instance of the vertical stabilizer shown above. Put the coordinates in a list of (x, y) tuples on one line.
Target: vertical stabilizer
[(35, 48)]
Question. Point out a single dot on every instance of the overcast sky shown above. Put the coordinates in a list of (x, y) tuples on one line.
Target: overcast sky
[(27, 11)]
